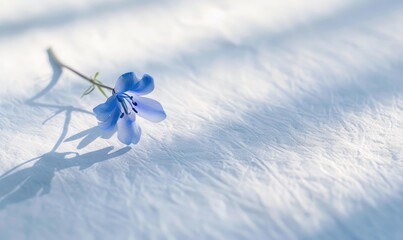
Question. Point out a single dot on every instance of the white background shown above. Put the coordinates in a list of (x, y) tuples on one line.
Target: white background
[(285, 120)]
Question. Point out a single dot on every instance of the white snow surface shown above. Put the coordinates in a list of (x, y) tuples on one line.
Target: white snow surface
[(285, 120)]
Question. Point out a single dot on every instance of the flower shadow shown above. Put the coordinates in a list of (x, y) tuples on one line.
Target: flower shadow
[(88, 136), (57, 72), (17, 186)]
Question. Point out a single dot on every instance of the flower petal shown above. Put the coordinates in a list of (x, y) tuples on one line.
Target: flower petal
[(125, 82), (144, 86), (128, 130), (110, 123), (149, 109), (104, 110)]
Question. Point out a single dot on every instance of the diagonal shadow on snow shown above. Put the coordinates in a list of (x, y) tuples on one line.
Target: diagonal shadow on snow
[(55, 19), (256, 39), (386, 215)]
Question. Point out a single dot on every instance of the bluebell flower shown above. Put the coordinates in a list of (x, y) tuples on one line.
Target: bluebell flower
[(126, 103)]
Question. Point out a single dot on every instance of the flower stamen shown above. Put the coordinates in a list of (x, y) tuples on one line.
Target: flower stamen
[(123, 98), (123, 104)]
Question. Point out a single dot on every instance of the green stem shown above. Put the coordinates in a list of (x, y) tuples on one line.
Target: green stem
[(50, 51)]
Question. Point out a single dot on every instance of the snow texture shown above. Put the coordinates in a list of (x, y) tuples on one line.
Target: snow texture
[(285, 120)]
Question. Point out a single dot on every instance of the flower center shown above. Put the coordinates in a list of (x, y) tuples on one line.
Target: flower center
[(127, 103)]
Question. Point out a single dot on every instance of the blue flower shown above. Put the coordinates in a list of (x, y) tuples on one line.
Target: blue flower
[(120, 110)]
